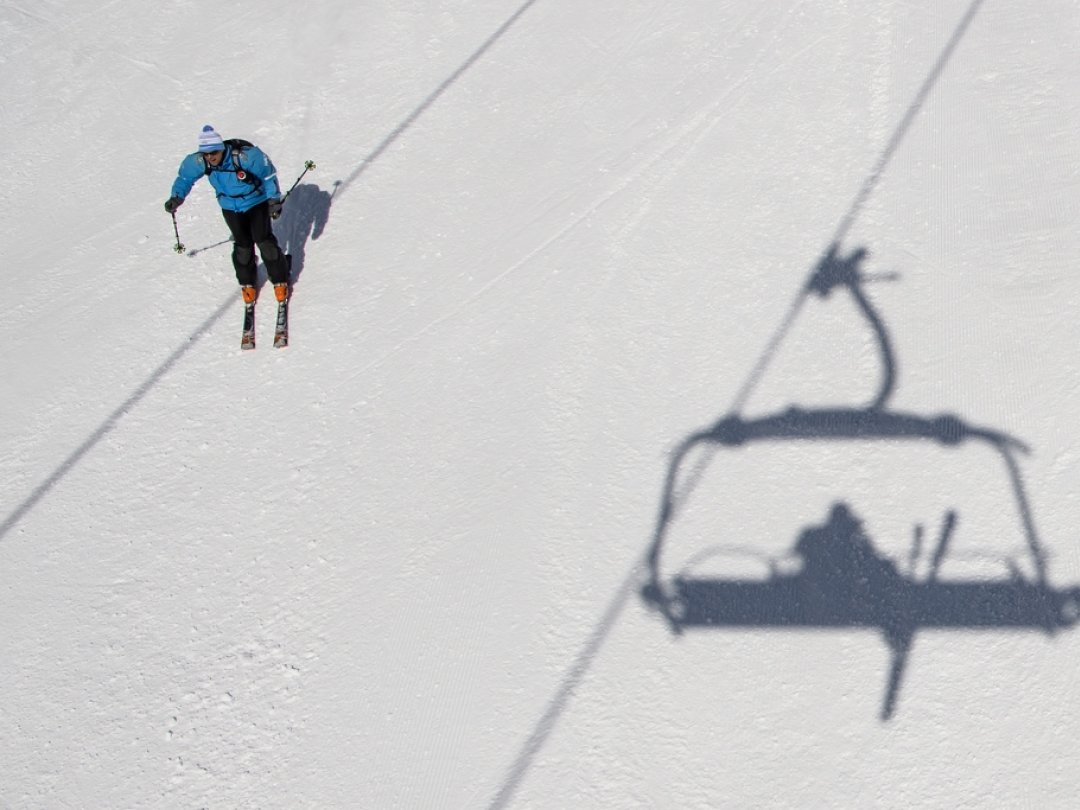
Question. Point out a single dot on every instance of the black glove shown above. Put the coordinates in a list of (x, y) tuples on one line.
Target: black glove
[(172, 204), (275, 208)]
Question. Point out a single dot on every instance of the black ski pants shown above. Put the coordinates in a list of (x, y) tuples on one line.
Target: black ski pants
[(250, 228)]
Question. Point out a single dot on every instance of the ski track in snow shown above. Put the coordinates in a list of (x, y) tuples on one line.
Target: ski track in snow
[(685, 139)]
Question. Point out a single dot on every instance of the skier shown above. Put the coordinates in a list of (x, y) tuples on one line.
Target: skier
[(245, 181)]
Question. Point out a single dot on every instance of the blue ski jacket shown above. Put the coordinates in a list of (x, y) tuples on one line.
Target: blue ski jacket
[(244, 178)]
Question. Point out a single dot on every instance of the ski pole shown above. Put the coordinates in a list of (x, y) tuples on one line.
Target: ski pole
[(308, 166), (179, 246)]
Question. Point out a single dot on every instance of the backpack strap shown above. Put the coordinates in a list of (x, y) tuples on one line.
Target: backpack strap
[(238, 145)]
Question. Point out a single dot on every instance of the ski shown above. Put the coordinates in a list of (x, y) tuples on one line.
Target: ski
[(281, 327), (247, 338)]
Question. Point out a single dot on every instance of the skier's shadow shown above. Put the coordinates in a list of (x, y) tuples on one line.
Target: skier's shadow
[(304, 216)]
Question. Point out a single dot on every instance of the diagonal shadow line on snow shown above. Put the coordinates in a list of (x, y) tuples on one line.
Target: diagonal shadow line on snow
[(578, 670), (867, 188), (110, 422), (436, 94), (905, 123), (571, 680)]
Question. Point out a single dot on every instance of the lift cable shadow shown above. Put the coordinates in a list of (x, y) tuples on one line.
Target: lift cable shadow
[(110, 422), (867, 188), (592, 648), (436, 94), (905, 124), (571, 680)]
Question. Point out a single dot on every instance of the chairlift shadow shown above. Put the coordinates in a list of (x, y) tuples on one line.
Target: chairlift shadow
[(844, 582)]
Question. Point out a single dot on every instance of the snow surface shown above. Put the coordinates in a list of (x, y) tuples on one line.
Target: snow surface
[(399, 564)]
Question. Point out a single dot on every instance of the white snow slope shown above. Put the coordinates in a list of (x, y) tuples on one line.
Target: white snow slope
[(400, 563)]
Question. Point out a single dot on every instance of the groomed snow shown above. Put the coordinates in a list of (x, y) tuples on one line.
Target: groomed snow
[(400, 563)]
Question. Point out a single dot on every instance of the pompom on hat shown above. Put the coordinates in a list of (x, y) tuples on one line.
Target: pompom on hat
[(209, 140)]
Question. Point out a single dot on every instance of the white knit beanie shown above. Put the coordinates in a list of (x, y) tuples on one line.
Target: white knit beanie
[(210, 141)]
